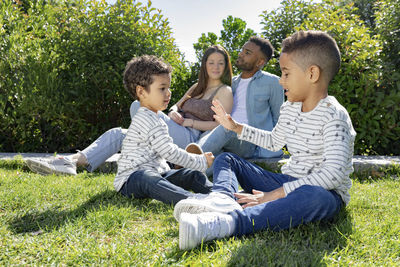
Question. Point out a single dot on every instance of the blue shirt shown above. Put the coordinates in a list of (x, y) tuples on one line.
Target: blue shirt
[(263, 102)]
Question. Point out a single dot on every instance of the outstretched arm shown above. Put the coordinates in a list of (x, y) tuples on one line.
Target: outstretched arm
[(225, 119)]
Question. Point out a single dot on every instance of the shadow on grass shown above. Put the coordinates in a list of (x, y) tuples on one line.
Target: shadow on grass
[(51, 219), (306, 245)]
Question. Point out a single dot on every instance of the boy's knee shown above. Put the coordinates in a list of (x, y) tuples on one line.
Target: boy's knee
[(200, 177), (225, 156), (144, 181)]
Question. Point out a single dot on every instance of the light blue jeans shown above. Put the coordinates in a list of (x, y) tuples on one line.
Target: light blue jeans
[(110, 142), (221, 140), (305, 204)]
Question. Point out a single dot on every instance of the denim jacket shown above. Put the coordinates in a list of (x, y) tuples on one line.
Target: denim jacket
[(264, 98)]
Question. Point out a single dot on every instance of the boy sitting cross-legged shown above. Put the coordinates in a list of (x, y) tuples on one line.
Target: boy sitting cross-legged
[(317, 130), (142, 169)]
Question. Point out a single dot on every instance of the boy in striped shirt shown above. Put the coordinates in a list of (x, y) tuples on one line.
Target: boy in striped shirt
[(318, 133), (143, 171)]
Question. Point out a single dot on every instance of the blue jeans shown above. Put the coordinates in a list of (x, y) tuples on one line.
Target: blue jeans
[(303, 205), (108, 144), (169, 187)]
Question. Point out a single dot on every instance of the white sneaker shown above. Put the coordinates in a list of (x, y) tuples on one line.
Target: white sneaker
[(197, 228), (61, 165), (215, 201)]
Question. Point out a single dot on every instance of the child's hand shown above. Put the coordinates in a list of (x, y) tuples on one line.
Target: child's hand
[(210, 158), (176, 117), (250, 199), (225, 119), (259, 197)]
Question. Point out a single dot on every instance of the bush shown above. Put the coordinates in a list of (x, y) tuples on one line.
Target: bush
[(232, 37), (388, 28), (61, 65), (360, 85)]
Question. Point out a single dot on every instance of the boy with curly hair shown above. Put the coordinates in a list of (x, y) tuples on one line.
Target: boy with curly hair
[(143, 171)]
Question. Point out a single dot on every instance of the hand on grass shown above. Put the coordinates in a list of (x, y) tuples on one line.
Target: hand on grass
[(225, 119), (259, 197)]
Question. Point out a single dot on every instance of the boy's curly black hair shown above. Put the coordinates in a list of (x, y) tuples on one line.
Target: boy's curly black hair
[(139, 71)]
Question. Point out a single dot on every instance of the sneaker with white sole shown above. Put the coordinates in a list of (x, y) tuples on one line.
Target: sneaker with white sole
[(215, 201), (197, 228), (60, 165)]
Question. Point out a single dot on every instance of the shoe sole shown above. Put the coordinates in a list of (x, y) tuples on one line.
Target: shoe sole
[(42, 169), (38, 167), (196, 206), (194, 149)]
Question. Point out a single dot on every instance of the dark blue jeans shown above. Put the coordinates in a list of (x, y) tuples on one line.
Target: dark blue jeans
[(169, 187), (305, 204)]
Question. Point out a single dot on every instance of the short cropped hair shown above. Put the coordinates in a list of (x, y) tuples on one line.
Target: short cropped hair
[(314, 48), (139, 71), (265, 46)]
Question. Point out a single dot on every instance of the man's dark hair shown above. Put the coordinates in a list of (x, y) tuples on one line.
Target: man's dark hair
[(139, 71), (265, 46), (314, 48)]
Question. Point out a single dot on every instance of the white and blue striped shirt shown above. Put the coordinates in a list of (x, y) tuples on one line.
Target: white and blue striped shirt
[(321, 144), (147, 146)]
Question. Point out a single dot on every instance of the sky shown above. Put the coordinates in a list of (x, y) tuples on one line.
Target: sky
[(190, 18)]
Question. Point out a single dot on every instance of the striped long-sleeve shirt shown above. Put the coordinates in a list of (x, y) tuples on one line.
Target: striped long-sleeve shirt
[(321, 144), (147, 146)]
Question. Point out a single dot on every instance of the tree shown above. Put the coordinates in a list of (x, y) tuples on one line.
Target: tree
[(361, 84), (279, 23), (232, 37), (61, 65)]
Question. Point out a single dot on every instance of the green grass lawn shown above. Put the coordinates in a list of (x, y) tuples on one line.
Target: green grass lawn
[(63, 220)]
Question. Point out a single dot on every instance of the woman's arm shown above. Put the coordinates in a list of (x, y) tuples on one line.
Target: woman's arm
[(200, 125)]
